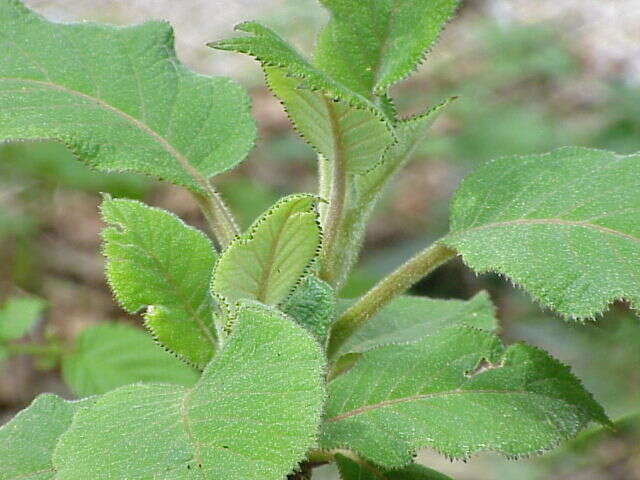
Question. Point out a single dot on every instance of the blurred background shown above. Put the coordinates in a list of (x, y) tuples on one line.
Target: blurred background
[(532, 75)]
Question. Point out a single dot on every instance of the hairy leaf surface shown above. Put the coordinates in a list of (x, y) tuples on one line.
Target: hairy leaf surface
[(156, 261), (458, 391), (408, 319), (313, 305), (109, 356), (352, 470), (371, 44), (252, 415), (28, 440), (266, 263), (118, 98), (565, 226), (18, 315)]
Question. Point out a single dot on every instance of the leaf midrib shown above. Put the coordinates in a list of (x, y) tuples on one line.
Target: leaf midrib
[(163, 142), (413, 398), (548, 221)]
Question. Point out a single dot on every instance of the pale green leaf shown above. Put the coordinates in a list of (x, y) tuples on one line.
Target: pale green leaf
[(109, 356), (28, 440), (358, 470), (156, 261), (369, 45), (355, 137), (118, 98), (408, 319), (253, 414), (265, 263), (313, 305), (458, 391), (565, 226), (18, 315)]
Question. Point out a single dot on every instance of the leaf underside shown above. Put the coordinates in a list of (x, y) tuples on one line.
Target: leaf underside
[(118, 98), (352, 470), (252, 415), (565, 226), (155, 261), (458, 391), (108, 356), (265, 263)]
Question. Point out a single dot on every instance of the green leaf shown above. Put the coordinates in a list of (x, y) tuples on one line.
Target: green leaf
[(253, 414), (313, 305), (156, 261), (369, 45), (408, 319), (118, 98), (565, 226), (265, 263), (458, 391), (18, 315), (355, 137), (28, 440), (359, 470), (109, 356)]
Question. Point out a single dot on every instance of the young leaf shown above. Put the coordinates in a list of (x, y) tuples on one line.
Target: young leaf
[(118, 98), (355, 137), (408, 319), (369, 45), (18, 315), (266, 263), (313, 305), (109, 356), (156, 261), (458, 391), (352, 470), (565, 226), (28, 440), (252, 415)]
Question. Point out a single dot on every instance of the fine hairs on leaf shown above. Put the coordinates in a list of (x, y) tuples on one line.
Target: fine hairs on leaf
[(251, 366)]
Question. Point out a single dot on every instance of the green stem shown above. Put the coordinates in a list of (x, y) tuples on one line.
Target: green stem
[(34, 349), (388, 288), (218, 216), (337, 196)]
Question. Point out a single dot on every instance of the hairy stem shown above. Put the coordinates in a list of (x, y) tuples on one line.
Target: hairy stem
[(388, 288), (337, 196), (218, 216)]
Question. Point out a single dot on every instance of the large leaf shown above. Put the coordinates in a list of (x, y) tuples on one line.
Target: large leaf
[(156, 261), (109, 356), (565, 226), (351, 469), (458, 391), (18, 315), (408, 319), (252, 415), (266, 263), (313, 305), (340, 124), (371, 44), (118, 98), (28, 440)]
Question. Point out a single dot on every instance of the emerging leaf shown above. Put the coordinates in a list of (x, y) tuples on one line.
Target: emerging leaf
[(109, 356), (458, 391), (18, 315), (252, 415), (371, 44), (266, 263), (28, 440), (313, 305), (565, 226), (408, 319), (352, 470), (118, 98), (156, 261)]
